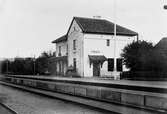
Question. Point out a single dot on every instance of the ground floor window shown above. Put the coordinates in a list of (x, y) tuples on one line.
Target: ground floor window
[(74, 63), (110, 64), (119, 64)]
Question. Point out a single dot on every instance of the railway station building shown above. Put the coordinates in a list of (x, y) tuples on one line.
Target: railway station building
[(89, 48)]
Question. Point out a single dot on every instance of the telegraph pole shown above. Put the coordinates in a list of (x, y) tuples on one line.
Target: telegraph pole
[(115, 37)]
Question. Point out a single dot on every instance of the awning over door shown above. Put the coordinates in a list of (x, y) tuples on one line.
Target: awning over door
[(97, 59)]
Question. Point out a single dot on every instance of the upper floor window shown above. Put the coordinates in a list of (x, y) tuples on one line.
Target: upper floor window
[(67, 50), (108, 42), (74, 44), (76, 29)]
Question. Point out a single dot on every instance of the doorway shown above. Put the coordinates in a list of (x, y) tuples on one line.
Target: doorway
[(96, 69)]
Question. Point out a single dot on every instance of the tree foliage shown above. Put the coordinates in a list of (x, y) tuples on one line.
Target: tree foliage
[(158, 60), (142, 56), (18, 66), (137, 55), (42, 64), (27, 66), (4, 66)]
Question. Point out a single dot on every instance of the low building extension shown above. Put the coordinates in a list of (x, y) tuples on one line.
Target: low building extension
[(89, 48)]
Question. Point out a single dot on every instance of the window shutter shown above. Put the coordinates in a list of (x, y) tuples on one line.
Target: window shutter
[(119, 64), (110, 64)]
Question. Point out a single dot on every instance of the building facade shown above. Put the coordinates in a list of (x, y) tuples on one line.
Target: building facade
[(89, 47)]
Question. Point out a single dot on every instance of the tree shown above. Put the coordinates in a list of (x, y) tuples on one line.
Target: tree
[(42, 63), (159, 60), (4, 66), (28, 66), (136, 56), (25, 66)]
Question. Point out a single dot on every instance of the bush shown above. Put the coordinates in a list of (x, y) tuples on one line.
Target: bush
[(144, 75), (71, 72), (136, 55), (144, 61)]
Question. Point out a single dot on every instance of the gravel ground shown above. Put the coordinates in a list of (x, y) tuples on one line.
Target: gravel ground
[(29, 103)]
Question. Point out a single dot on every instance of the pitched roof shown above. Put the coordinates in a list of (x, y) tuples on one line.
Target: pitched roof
[(61, 39), (161, 47), (102, 26), (162, 44), (97, 26)]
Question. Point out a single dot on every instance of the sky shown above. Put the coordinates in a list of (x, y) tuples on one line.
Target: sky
[(27, 27)]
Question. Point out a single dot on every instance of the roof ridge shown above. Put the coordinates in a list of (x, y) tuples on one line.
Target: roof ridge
[(89, 18)]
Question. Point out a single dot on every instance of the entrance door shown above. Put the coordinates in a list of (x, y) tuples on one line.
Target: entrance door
[(96, 69)]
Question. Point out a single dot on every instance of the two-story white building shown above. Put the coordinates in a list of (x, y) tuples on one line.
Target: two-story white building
[(89, 46)]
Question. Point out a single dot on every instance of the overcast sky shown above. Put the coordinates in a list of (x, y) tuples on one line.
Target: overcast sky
[(27, 27)]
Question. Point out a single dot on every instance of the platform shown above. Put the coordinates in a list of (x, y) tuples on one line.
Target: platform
[(140, 95)]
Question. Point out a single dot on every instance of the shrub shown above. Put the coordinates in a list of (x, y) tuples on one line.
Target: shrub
[(136, 55)]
